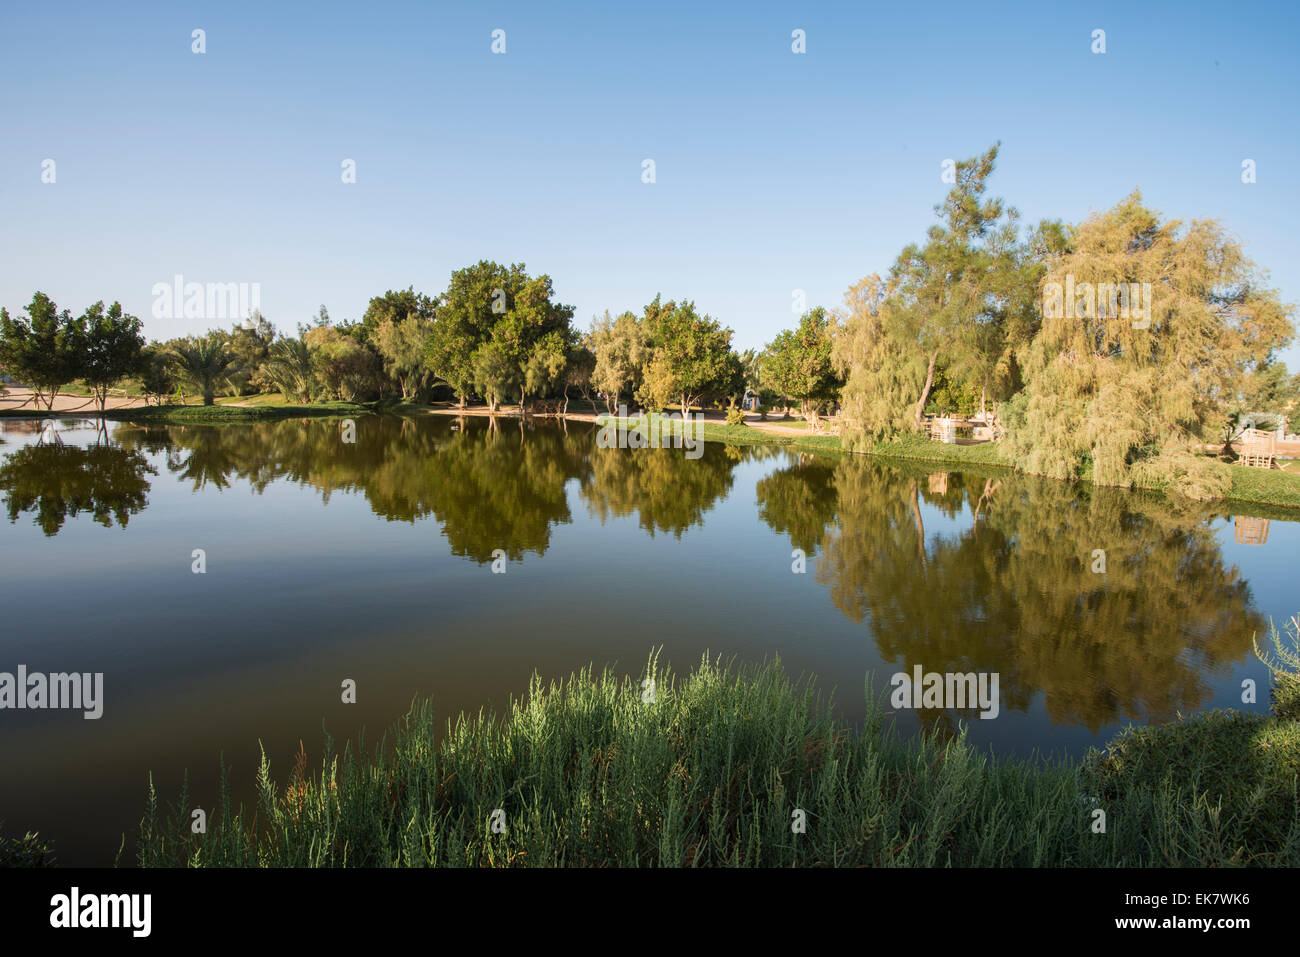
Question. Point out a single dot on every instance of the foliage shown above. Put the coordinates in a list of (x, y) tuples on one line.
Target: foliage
[(45, 350), (797, 363), (588, 773), (289, 367), (622, 350), (1134, 397), (113, 348), (881, 372), (250, 341), (26, 851), (204, 364), (690, 358), (155, 372), (344, 368), (502, 309), (402, 344)]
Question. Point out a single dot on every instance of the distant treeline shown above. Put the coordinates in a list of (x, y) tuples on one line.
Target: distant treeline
[(1117, 347)]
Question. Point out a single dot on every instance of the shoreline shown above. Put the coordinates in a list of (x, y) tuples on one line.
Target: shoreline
[(1276, 491)]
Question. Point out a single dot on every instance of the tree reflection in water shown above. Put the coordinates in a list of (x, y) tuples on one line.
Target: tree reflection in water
[(1012, 591)]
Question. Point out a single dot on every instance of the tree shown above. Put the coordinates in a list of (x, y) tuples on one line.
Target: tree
[(46, 350), (155, 371), (113, 346), (533, 333), (494, 374), (579, 373), (545, 367), (948, 289), (1150, 329), (797, 362), (464, 320), (250, 341), (402, 344), (397, 307), (204, 364), (882, 371), (690, 354), (345, 368), (289, 367), (622, 351), (1269, 389)]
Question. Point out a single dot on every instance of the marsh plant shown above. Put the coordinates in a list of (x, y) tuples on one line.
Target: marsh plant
[(745, 767)]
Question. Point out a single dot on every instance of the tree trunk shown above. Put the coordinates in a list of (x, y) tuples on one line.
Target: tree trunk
[(920, 526), (925, 393)]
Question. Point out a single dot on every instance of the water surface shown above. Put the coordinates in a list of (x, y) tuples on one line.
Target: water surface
[(373, 561)]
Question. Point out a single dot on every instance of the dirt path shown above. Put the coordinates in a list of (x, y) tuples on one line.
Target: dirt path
[(19, 399)]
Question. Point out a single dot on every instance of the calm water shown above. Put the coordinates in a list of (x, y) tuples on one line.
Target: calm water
[(373, 561)]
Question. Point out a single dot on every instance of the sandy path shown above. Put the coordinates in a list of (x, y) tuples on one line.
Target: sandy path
[(19, 399)]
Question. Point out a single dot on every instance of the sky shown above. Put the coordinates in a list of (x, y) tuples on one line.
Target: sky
[(775, 171)]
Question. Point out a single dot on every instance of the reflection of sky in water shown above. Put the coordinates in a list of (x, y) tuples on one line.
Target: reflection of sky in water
[(300, 594)]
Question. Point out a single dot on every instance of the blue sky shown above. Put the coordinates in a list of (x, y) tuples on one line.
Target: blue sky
[(775, 171)]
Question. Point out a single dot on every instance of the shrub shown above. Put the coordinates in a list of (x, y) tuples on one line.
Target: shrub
[(1284, 666), (27, 851), (735, 416)]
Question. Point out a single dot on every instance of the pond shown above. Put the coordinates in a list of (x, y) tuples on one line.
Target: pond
[(453, 558)]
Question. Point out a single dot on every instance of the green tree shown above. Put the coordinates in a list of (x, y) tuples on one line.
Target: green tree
[(204, 364), (157, 380), (402, 344), (882, 370), (579, 373), (947, 290), (494, 374), (345, 368), (45, 350), (289, 367), (250, 341), (622, 351), (396, 307), (797, 362), (690, 355), (113, 345)]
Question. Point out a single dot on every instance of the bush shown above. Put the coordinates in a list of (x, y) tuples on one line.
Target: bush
[(763, 410), (735, 416), (28, 851), (1284, 666)]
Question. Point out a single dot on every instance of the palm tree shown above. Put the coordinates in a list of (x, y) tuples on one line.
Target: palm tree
[(205, 364), (289, 367)]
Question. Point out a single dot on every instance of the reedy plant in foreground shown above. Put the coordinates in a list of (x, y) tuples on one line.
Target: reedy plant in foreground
[(709, 774)]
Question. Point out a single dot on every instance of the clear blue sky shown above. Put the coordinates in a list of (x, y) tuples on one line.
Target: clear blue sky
[(775, 171)]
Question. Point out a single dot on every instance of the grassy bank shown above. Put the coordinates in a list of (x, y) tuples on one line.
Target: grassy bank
[(587, 772), (233, 414)]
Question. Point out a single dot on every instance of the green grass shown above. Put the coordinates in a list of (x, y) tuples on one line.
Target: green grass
[(1265, 487), (220, 414), (588, 772), (261, 398)]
